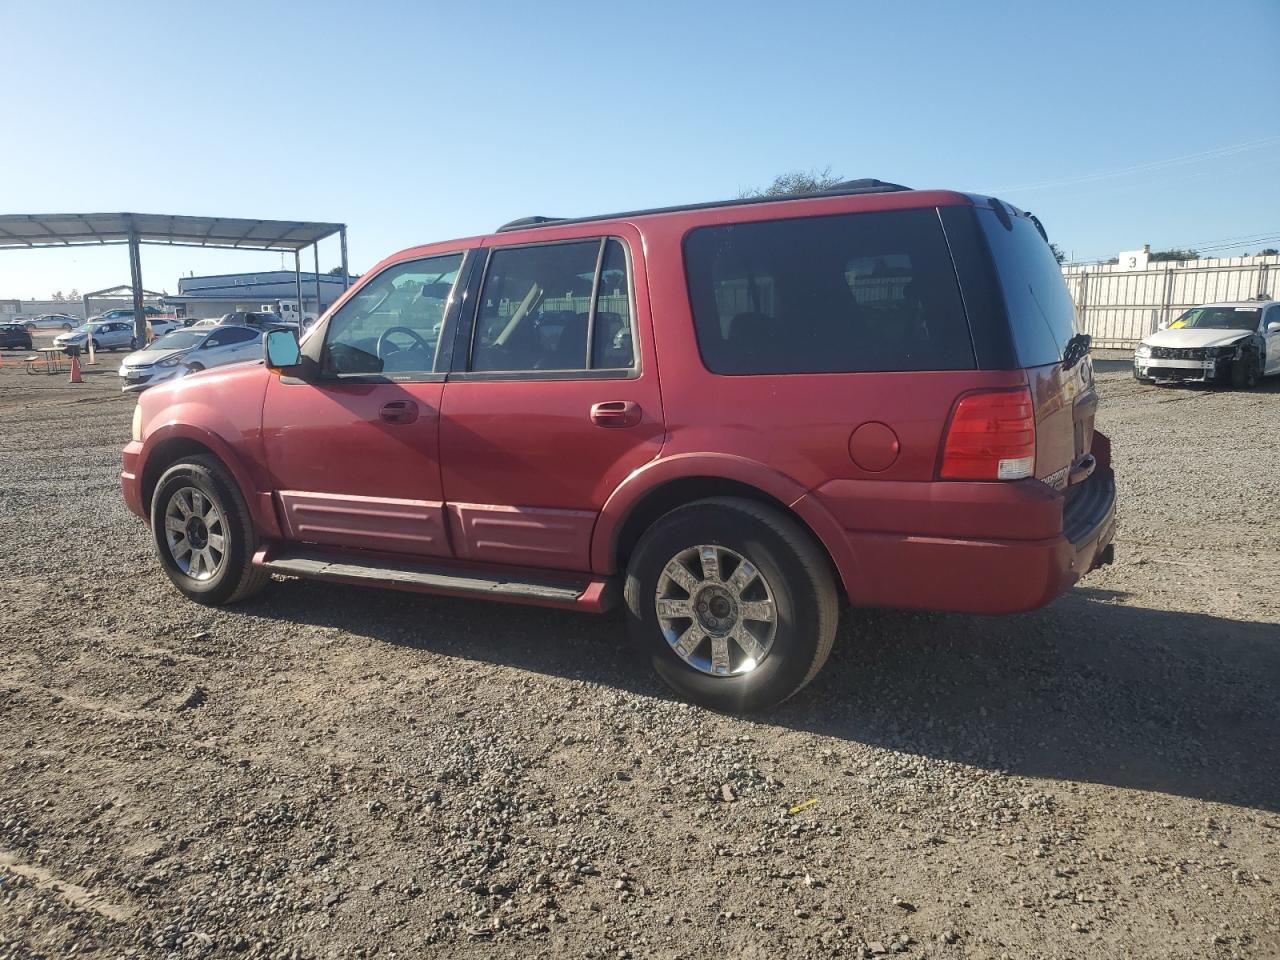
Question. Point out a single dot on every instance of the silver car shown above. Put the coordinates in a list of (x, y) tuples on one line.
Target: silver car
[(187, 351), (107, 335), (53, 321)]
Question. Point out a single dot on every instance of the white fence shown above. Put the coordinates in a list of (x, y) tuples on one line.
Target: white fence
[(1119, 307)]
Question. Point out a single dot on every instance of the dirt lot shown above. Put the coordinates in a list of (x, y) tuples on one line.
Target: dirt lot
[(328, 772)]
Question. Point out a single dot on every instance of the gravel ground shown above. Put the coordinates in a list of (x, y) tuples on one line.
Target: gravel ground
[(330, 772)]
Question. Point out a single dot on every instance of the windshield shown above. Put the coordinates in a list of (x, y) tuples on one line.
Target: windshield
[(1219, 318), (178, 340), (86, 327)]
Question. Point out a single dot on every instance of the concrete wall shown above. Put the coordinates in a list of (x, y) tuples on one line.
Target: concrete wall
[(1119, 307)]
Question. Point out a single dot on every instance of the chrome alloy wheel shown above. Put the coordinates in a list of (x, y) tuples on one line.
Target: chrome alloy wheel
[(195, 532), (716, 610)]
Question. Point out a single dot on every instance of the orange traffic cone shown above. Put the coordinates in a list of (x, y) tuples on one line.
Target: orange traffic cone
[(75, 369)]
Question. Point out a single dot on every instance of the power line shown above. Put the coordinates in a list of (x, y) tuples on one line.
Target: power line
[(1217, 153)]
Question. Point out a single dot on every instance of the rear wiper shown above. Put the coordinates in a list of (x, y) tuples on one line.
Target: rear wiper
[(1075, 350)]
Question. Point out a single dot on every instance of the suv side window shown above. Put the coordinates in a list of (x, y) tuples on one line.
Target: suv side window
[(392, 324), (555, 307), (835, 294)]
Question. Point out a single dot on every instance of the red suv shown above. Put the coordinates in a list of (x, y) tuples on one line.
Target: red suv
[(732, 417)]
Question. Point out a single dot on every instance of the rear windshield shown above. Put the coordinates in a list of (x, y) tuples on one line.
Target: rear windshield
[(838, 294), (1041, 312)]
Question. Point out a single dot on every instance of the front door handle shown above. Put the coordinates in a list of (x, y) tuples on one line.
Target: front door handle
[(616, 413), (399, 411)]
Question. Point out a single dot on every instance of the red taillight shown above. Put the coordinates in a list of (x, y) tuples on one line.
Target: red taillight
[(992, 436)]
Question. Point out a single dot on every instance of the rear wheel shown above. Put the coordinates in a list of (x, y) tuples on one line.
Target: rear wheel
[(203, 533), (733, 602), (66, 326), (133, 343)]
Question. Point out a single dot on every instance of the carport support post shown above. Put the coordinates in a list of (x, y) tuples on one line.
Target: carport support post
[(135, 277), (346, 275), (316, 248), (297, 282)]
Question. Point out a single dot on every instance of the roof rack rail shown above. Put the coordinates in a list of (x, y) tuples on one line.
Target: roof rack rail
[(846, 188), (529, 222)]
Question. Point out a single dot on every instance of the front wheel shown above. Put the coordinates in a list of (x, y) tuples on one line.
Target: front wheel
[(194, 367), (733, 602), (1246, 372), (203, 533)]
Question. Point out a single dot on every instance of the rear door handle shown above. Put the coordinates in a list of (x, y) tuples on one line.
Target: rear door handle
[(399, 411), (616, 413)]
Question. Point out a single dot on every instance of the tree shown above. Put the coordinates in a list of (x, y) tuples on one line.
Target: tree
[(337, 272), (58, 296), (1158, 256), (1269, 252), (74, 295), (795, 181), (1057, 252)]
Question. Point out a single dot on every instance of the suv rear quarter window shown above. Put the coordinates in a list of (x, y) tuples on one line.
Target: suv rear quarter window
[(834, 294), (1042, 315)]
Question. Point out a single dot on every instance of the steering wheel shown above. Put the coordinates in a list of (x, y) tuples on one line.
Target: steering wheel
[(383, 340)]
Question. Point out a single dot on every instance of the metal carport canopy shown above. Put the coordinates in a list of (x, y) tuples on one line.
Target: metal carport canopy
[(30, 231)]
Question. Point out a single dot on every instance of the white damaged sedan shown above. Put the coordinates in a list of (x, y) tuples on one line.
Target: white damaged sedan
[(186, 351), (1229, 343)]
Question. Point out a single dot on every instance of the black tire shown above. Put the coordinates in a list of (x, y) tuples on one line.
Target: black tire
[(799, 576), (133, 343), (236, 578), (66, 326), (1246, 371), (194, 367)]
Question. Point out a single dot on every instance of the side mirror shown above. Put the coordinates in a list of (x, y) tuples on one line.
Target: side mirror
[(1163, 325), (1273, 326), (280, 347)]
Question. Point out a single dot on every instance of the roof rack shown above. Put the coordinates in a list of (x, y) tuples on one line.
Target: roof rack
[(844, 189)]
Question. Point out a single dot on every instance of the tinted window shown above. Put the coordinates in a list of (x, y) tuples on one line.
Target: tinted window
[(392, 324), (1041, 312), (536, 309), (857, 292), (240, 335)]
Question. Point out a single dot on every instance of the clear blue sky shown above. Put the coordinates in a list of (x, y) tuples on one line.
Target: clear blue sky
[(1118, 124)]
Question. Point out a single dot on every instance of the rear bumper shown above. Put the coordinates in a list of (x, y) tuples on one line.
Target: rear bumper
[(949, 567), (131, 479)]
